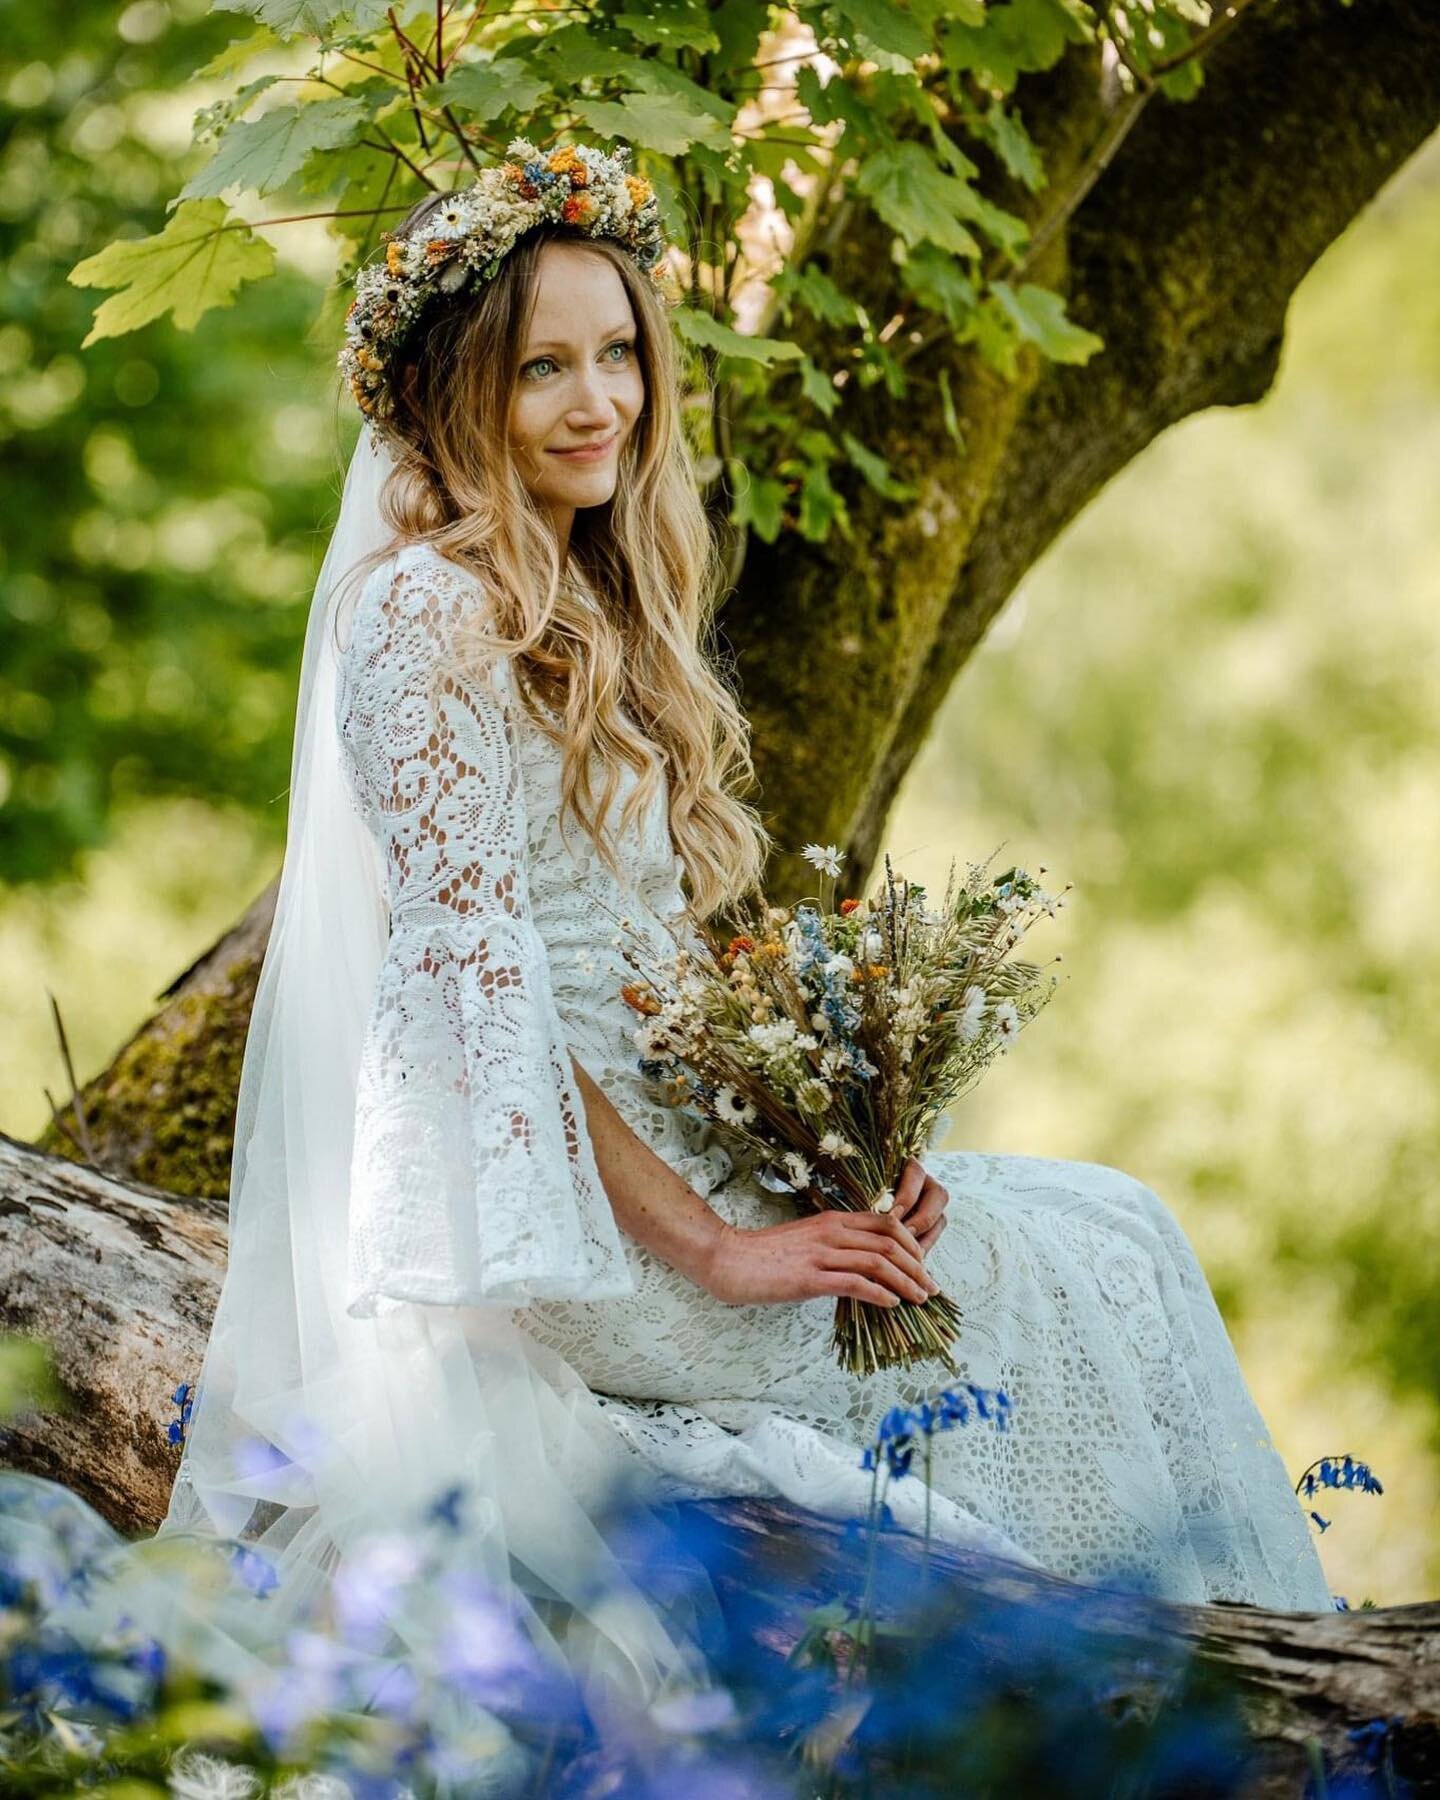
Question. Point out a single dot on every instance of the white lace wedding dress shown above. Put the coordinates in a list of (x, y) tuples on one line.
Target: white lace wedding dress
[(1134, 1447)]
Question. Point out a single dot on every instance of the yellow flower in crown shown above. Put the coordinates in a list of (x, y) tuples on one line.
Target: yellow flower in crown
[(461, 242)]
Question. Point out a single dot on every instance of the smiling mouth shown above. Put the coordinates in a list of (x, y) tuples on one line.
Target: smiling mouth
[(587, 452)]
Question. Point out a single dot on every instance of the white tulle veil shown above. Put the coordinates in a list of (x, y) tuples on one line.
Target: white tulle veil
[(311, 1428)]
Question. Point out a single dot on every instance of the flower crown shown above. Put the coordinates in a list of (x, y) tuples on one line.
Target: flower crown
[(464, 240)]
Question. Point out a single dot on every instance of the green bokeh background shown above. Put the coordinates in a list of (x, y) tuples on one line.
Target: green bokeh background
[(1214, 707)]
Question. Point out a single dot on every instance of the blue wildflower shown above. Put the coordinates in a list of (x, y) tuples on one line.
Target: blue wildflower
[(257, 1572), (445, 1510)]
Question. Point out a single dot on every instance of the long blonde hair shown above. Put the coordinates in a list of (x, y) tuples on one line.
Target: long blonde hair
[(647, 556)]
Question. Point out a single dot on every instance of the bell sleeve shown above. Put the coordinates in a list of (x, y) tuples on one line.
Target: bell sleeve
[(473, 1175)]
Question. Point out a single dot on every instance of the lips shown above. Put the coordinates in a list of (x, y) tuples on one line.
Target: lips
[(587, 452)]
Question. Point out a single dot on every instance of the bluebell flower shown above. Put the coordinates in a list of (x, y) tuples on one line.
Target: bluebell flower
[(255, 1571), (445, 1510), (895, 1436)]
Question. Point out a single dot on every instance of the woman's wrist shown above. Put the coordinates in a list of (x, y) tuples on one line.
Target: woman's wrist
[(713, 1246), (652, 1202)]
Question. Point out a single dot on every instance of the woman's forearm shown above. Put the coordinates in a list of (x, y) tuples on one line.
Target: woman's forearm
[(652, 1202)]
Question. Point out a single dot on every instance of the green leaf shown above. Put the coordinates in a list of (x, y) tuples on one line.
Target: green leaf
[(1183, 83), (1005, 132), (196, 262), (818, 388), (370, 15), (917, 199), (947, 411), (820, 506), (964, 12), (658, 121), (888, 27), (483, 90), (237, 53), (264, 153), (814, 290), (939, 284), (759, 502), (876, 470), (1039, 315), (698, 327), (289, 18), (673, 24)]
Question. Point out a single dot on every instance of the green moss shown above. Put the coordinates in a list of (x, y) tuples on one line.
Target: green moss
[(164, 1111)]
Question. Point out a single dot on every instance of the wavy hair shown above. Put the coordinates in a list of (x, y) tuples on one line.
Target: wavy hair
[(647, 556)]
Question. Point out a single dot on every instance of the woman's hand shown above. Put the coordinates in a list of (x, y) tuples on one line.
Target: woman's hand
[(868, 1256), (920, 1201)]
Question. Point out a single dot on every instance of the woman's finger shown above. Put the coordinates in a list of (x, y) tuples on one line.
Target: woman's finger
[(932, 1235), (886, 1249), (933, 1201), (875, 1266), (884, 1224), (908, 1188)]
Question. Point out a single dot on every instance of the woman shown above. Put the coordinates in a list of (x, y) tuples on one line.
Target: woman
[(465, 1240)]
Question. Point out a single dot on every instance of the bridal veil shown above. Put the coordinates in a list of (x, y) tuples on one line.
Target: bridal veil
[(312, 1427)]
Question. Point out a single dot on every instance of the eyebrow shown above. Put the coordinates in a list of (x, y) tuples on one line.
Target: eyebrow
[(612, 331)]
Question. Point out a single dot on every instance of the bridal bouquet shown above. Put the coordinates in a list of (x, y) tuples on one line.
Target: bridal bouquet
[(827, 1041)]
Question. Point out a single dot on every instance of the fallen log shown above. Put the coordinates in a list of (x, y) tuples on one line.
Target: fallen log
[(121, 1280)]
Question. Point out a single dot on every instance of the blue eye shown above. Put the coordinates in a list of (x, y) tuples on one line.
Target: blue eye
[(624, 344)]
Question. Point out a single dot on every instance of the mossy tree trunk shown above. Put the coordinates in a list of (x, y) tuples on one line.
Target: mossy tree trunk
[(1192, 233)]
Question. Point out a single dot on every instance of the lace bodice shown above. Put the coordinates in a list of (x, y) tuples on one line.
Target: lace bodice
[(474, 1177)]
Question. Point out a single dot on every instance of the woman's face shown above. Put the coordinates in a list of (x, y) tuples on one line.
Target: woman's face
[(579, 383)]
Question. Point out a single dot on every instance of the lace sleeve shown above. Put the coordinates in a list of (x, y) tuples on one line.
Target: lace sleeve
[(473, 1177)]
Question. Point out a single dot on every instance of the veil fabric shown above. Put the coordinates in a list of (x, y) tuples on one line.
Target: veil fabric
[(312, 1428)]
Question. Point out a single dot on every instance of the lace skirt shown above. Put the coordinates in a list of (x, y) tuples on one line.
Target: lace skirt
[(1134, 1454)]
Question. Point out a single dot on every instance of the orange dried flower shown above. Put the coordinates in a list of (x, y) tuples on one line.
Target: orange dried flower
[(737, 944), (640, 997), (565, 162), (847, 907), (394, 258)]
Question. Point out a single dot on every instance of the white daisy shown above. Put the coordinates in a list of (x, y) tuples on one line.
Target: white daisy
[(797, 1169), (1006, 1019), (733, 1108), (825, 857)]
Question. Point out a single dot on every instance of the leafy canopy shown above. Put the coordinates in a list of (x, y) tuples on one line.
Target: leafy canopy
[(833, 105)]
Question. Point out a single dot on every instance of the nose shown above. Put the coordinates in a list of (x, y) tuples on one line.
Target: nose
[(592, 404)]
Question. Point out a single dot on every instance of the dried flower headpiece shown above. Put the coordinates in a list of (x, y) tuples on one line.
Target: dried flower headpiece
[(464, 240)]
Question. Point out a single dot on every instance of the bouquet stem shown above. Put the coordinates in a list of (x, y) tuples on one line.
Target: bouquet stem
[(868, 1338)]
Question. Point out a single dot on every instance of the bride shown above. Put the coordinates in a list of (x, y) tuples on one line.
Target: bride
[(466, 1244)]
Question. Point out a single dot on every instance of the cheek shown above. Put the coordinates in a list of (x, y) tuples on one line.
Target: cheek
[(634, 392), (527, 416)]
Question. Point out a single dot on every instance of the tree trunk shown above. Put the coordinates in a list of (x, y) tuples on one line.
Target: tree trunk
[(1183, 255), (122, 1281)]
